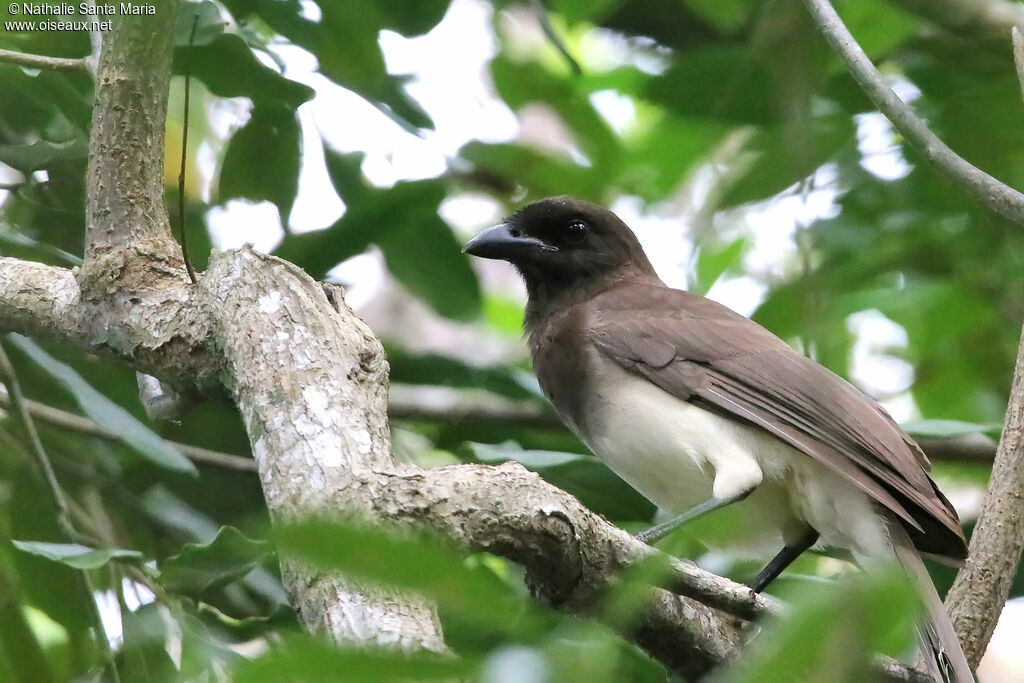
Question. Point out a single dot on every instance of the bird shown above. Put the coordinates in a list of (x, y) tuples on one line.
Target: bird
[(698, 407)]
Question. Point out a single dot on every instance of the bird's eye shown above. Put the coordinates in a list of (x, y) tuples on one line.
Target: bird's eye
[(575, 232)]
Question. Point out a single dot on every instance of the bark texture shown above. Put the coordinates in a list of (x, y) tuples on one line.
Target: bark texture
[(983, 585), (310, 380)]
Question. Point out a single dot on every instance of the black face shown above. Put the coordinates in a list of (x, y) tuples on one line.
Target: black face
[(561, 241)]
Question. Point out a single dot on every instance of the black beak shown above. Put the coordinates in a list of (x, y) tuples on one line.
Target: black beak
[(504, 242)]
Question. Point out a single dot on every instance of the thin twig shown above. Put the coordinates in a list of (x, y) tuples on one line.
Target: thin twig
[(718, 592), (1018, 55), (553, 37), (82, 425), (17, 401), (184, 152), (989, 191), (59, 500), (42, 62)]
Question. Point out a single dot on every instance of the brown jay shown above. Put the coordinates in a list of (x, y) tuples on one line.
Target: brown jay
[(698, 407)]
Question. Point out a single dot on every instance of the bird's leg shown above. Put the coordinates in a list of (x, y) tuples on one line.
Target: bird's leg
[(659, 531), (785, 558)]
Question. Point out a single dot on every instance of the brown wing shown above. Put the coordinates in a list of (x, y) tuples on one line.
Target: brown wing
[(703, 352)]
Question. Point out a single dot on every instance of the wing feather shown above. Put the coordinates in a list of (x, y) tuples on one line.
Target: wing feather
[(701, 351)]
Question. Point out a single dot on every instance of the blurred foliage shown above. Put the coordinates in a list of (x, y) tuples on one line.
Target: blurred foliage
[(736, 107)]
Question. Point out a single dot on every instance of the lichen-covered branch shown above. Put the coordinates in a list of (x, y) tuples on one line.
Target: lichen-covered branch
[(40, 300), (128, 241)]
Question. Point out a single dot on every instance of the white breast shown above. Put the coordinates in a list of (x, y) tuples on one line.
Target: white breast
[(678, 455)]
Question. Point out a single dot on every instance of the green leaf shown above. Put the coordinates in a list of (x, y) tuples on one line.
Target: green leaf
[(473, 595), (714, 260), (543, 173), (78, 556), (209, 26), (788, 154), (202, 567), (585, 477), (418, 246), (522, 83), (727, 15), (423, 254), (534, 460), (144, 656), (42, 154), (501, 313), (939, 429), (307, 661), (21, 656), (262, 160), (880, 26), (723, 81), (107, 413), (346, 46), (831, 631), (229, 68), (576, 11)]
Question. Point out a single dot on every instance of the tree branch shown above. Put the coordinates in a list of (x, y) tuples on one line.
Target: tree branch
[(40, 300), (83, 425), (60, 503), (128, 242), (983, 585), (309, 379), (462, 407), (989, 191), (455, 406), (41, 62), (1018, 53), (987, 18)]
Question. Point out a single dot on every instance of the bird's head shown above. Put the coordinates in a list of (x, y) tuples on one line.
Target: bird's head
[(561, 243)]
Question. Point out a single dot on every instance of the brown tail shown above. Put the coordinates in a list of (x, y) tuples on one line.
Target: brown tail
[(942, 651)]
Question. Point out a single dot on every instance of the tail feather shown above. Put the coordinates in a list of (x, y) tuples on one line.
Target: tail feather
[(943, 654)]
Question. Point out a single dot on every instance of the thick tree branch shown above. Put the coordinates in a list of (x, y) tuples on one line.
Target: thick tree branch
[(128, 242), (571, 555), (310, 381), (983, 585), (40, 300), (142, 306), (42, 62), (987, 190)]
